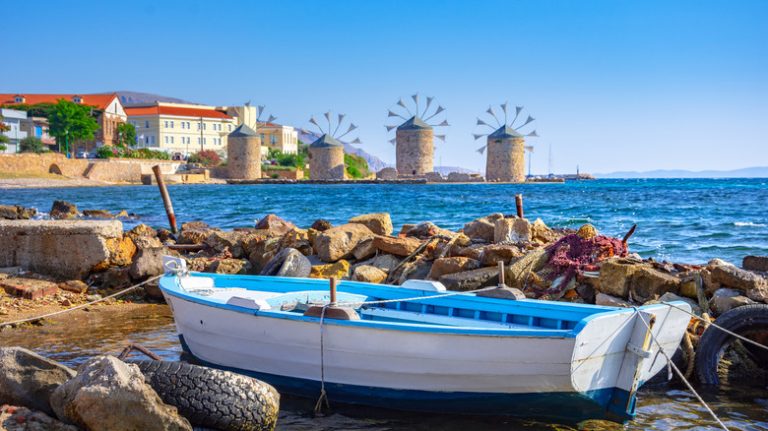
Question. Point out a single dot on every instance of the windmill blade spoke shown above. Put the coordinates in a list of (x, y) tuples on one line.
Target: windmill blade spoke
[(481, 150), (313, 121), (260, 111), (271, 118), (338, 123), (393, 141), (517, 114), (394, 114), (415, 98), (527, 121), (490, 111), (389, 128), (429, 102), (437, 111), (443, 124), (504, 108), (440, 137), (402, 104), (351, 128), (356, 141), (478, 135), (533, 134)]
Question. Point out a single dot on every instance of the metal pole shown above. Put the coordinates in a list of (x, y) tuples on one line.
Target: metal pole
[(519, 205), (166, 198), (333, 291)]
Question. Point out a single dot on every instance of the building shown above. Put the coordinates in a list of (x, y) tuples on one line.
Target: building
[(15, 120), (326, 159), (181, 129), (107, 110), (38, 127), (278, 137)]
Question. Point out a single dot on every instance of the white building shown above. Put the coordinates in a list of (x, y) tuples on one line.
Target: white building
[(13, 119)]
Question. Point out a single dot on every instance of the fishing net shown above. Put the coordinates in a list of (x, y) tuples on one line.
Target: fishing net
[(573, 254)]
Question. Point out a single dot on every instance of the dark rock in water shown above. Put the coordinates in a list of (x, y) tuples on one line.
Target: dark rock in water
[(103, 214), (471, 280), (62, 210), (321, 225), (275, 224), (16, 212), (108, 394), (29, 379), (289, 262), (750, 263)]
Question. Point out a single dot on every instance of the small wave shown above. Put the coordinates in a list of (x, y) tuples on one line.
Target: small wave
[(748, 224)]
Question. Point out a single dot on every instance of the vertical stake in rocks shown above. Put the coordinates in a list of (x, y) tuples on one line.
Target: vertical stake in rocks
[(166, 198)]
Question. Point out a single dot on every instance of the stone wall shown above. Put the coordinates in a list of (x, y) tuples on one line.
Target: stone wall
[(114, 172), (326, 163), (285, 174), (60, 248), (415, 151), (111, 170), (38, 164), (244, 157), (505, 160)]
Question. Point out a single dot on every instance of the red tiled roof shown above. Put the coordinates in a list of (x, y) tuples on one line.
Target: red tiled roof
[(175, 110), (99, 101)]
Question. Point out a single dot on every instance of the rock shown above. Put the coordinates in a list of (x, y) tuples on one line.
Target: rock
[(587, 231), (541, 233), (364, 250), (14, 418), (512, 230), (669, 297), (518, 272), (397, 246), (74, 286), (474, 251), (194, 232), (275, 224), (62, 210), (121, 251), (298, 239), (378, 223), (165, 235), (115, 278), (123, 214), (141, 230), (754, 285), (434, 177), (610, 301), (483, 229), (616, 275), (369, 274), (451, 265), (725, 299), (415, 270), (471, 280), (688, 289), (387, 174), (289, 262), (232, 241), (405, 228), (108, 394), (428, 229), (321, 225), (29, 379), (230, 266), (586, 292), (338, 242), (649, 283), (16, 212), (750, 263), (495, 253), (338, 270), (385, 262), (28, 288), (146, 242), (261, 250), (102, 214), (148, 263)]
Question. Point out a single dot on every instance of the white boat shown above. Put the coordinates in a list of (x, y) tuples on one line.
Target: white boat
[(455, 353)]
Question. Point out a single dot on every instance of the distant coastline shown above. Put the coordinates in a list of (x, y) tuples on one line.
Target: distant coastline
[(752, 172)]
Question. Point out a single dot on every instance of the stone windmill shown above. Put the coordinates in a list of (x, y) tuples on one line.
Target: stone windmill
[(326, 154), (414, 138), (244, 145), (505, 159)]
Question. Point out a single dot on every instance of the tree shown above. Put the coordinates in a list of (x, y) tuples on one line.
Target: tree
[(126, 135), (32, 144), (69, 122), (3, 139)]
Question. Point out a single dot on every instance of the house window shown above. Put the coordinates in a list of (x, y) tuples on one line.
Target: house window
[(77, 99), (273, 140), (18, 99), (171, 124), (166, 139), (199, 126), (229, 127), (204, 128), (146, 140), (172, 139), (166, 124), (152, 139), (146, 124)]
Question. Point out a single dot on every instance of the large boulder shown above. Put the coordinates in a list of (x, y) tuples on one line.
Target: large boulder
[(148, 263), (298, 239), (450, 265), (754, 285), (751, 263), (416, 270), (385, 262), (610, 301), (261, 250), (725, 299), (29, 379), (518, 272), (483, 229), (369, 274), (141, 230), (428, 229), (512, 230), (227, 240), (337, 270), (364, 250), (397, 246), (16, 212), (321, 225), (121, 251), (108, 394), (541, 233), (616, 276), (289, 262), (378, 223), (194, 232), (471, 280), (495, 253), (230, 266), (275, 224), (649, 283), (338, 242), (63, 210)]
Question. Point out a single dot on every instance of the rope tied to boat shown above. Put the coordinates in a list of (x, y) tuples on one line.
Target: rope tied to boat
[(711, 323), (671, 365), (77, 307), (323, 399)]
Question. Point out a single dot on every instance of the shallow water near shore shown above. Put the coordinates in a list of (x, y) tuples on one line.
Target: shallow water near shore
[(74, 338), (681, 220)]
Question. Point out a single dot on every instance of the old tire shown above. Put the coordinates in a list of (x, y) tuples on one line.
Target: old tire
[(743, 320), (213, 398)]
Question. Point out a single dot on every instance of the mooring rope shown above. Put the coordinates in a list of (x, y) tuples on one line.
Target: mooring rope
[(680, 374), (727, 331), (77, 307), (323, 394)]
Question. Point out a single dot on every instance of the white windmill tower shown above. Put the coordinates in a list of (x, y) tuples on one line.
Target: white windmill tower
[(326, 154), (505, 145), (414, 138)]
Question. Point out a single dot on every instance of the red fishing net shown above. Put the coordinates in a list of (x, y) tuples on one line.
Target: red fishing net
[(573, 254)]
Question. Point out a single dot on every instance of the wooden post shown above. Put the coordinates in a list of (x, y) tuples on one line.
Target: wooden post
[(166, 198), (629, 234), (501, 274), (519, 205), (333, 291)]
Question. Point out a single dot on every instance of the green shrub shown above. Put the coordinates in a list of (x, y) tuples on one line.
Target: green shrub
[(207, 158), (109, 151), (32, 144), (356, 166)]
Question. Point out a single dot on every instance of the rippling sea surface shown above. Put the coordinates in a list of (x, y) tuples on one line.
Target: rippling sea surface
[(683, 220), (103, 331)]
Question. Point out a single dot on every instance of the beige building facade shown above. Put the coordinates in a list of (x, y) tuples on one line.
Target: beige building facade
[(278, 137), (181, 129)]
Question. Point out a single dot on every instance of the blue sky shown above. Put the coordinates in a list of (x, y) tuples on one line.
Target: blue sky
[(614, 85)]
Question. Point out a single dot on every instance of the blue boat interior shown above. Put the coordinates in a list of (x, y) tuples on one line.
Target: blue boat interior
[(289, 298)]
